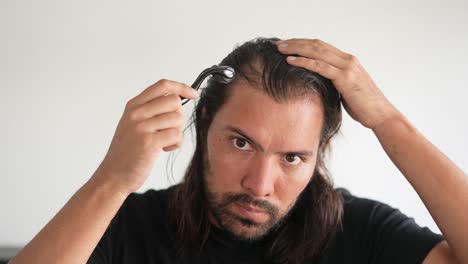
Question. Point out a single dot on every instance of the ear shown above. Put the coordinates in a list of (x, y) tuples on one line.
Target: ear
[(204, 113)]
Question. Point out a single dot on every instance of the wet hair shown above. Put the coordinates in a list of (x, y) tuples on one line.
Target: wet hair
[(318, 209)]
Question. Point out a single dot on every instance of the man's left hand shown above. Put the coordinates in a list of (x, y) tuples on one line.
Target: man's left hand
[(362, 98)]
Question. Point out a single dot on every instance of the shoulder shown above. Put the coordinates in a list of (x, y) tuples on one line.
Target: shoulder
[(144, 218), (149, 197), (366, 210), (142, 210), (351, 200), (148, 204), (139, 225), (382, 232), (371, 217)]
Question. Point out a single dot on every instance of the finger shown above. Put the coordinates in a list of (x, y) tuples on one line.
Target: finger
[(319, 44), (313, 51), (320, 67), (165, 87), (157, 106), (169, 137), (163, 121)]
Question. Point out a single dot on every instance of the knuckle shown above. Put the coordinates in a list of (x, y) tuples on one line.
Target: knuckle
[(133, 115), (301, 60), (327, 53), (180, 110), (301, 45), (179, 117), (317, 42), (174, 97), (174, 101), (310, 49), (147, 141), (163, 82), (173, 133), (180, 135), (173, 119), (353, 60), (316, 64), (186, 86), (317, 48), (349, 75), (129, 104), (179, 142), (140, 127)]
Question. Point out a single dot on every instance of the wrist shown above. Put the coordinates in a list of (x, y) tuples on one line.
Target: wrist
[(395, 119), (386, 115), (100, 182)]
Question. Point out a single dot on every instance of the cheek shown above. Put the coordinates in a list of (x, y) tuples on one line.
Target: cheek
[(226, 168), (288, 188), (288, 194)]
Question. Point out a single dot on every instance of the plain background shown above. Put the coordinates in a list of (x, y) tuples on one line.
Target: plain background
[(69, 67)]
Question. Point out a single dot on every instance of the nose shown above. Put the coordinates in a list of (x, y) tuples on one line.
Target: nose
[(260, 178)]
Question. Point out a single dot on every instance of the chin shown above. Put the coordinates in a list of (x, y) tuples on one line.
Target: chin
[(245, 229), (246, 233)]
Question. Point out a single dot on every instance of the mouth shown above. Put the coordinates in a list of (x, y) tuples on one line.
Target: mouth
[(250, 212)]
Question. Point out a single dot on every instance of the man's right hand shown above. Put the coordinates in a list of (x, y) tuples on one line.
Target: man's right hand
[(152, 121)]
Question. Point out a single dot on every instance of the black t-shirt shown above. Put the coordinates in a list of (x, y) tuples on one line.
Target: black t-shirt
[(372, 232)]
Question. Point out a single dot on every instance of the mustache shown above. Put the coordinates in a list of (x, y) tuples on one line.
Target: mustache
[(229, 198)]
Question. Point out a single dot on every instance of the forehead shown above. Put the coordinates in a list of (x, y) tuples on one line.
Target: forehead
[(291, 123)]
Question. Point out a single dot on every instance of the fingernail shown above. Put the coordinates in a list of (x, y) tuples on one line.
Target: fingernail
[(291, 58), (196, 92)]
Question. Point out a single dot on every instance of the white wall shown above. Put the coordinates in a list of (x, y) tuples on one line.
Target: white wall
[(69, 67)]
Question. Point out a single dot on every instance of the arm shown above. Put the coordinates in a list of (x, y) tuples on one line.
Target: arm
[(72, 235), (151, 122), (441, 185)]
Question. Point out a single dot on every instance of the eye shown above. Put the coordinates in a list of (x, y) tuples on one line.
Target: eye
[(293, 159), (241, 143)]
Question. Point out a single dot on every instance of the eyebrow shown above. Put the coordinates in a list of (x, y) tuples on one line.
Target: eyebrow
[(257, 145)]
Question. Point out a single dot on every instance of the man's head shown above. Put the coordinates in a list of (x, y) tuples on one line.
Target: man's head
[(260, 156), (261, 140)]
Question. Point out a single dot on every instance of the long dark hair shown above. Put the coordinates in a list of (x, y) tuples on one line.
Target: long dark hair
[(318, 210)]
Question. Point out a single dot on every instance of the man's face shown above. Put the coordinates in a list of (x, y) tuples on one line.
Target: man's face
[(260, 156)]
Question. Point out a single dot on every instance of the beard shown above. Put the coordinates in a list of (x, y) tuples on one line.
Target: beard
[(239, 226)]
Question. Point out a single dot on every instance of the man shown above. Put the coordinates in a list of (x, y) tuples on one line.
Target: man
[(257, 189)]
